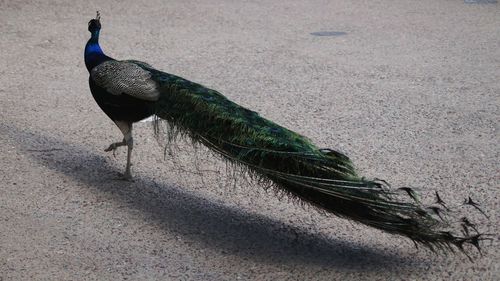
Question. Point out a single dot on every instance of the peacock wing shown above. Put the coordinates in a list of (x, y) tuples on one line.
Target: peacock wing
[(126, 77)]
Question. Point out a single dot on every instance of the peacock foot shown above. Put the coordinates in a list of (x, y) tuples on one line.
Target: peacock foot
[(125, 177), (114, 146)]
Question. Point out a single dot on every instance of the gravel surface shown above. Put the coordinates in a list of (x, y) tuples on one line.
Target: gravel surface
[(410, 90)]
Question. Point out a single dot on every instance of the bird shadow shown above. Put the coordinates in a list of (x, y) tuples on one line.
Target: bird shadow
[(202, 222)]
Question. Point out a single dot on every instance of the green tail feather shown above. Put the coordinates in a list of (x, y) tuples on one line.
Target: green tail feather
[(289, 161)]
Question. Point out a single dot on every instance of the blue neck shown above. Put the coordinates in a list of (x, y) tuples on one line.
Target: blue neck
[(93, 52)]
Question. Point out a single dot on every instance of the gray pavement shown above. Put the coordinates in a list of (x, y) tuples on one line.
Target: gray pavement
[(410, 90)]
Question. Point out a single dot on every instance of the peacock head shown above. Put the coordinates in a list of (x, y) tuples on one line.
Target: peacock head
[(95, 24)]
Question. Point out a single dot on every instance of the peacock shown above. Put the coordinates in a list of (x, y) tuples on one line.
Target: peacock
[(129, 91)]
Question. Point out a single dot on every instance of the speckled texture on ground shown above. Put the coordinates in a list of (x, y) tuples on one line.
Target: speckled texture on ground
[(410, 92)]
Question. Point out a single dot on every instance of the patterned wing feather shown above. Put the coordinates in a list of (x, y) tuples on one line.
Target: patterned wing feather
[(126, 77)]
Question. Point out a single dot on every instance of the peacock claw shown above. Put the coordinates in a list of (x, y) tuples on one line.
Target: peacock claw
[(112, 147)]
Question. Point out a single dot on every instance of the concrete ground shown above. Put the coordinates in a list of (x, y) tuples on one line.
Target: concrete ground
[(410, 90)]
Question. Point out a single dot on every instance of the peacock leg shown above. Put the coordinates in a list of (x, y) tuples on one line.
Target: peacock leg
[(130, 145), (126, 129)]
